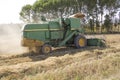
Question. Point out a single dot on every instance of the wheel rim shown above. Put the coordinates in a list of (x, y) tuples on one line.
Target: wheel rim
[(47, 49), (82, 42)]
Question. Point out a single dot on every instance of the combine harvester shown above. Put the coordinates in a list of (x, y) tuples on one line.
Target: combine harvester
[(58, 33)]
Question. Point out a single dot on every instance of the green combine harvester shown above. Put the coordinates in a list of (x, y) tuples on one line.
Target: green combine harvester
[(58, 33)]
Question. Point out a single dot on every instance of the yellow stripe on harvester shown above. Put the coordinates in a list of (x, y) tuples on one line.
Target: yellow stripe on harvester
[(74, 28), (41, 29)]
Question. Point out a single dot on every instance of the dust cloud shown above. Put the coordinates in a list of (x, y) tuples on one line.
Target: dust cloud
[(10, 39)]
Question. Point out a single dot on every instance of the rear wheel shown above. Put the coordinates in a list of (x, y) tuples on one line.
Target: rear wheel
[(80, 41), (46, 49)]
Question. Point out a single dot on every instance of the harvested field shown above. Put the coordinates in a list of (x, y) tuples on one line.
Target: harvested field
[(90, 63)]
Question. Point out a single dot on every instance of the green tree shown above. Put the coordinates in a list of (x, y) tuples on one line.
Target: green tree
[(56, 8), (26, 13), (107, 23), (91, 23), (102, 4)]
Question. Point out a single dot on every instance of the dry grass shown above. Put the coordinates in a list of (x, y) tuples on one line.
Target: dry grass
[(73, 64)]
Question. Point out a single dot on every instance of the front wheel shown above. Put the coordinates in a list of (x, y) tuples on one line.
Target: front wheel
[(80, 41), (45, 49)]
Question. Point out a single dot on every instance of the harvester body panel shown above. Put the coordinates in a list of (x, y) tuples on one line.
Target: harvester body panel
[(53, 32)]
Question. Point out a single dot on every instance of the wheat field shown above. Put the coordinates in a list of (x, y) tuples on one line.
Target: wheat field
[(90, 63)]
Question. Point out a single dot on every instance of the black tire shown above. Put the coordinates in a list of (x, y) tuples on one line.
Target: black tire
[(45, 49), (80, 41)]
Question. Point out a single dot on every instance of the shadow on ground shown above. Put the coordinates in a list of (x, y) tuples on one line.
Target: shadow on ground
[(57, 53), (61, 52)]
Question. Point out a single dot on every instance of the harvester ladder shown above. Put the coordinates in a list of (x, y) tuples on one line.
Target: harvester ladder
[(66, 39)]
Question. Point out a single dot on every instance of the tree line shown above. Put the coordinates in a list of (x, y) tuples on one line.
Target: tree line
[(100, 14)]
